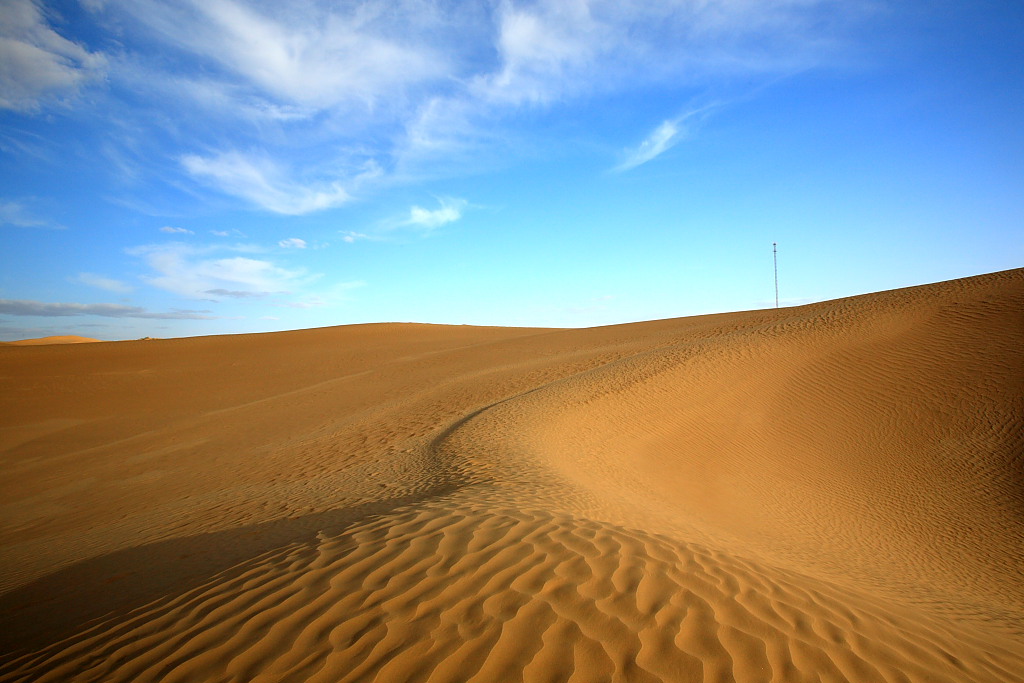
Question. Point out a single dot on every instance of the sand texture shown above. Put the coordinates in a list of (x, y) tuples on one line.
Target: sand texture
[(832, 492)]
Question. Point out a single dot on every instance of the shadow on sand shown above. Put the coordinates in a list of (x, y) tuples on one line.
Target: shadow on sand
[(55, 607)]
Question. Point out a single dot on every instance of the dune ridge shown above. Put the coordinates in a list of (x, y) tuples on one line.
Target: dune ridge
[(59, 339), (833, 492)]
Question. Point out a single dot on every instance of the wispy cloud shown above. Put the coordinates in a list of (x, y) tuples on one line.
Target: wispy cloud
[(449, 211), (176, 231), (235, 294), (551, 53), (292, 243), (663, 138), (106, 283), (350, 236), (314, 53), (197, 273), (17, 214), (49, 310), (262, 182), (37, 62), (302, 104), (543, 48)]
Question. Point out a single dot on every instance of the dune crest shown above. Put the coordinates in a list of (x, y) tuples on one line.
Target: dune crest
[(60, 339), (832, 492)]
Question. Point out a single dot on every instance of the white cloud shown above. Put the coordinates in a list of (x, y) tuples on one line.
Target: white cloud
[(661, 138), (291, 106), (543, 49), (100, 282), (176, 231), (664, 136), (552, 52), (262, 182), (449, 212), (310, 53), (350, 236), (292, 243), (36, 62), (219, 96), (15, 213), (40, 308), (196, 273)]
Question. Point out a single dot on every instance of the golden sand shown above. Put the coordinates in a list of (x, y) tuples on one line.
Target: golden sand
[(63, 339), (832, 492)]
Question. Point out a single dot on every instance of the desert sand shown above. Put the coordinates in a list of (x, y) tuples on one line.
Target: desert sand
[(831, 492), (60, 339)]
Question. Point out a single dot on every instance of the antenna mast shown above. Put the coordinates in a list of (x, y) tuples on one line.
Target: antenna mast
[(775, 258)]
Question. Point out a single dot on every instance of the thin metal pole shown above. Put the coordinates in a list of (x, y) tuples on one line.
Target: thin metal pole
[(775, 258)]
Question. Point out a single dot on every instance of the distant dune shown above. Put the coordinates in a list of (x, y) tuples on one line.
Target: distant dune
[(832, 492), (65, 339)]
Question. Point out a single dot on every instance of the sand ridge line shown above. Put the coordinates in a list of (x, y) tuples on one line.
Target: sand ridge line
[(59, 339)]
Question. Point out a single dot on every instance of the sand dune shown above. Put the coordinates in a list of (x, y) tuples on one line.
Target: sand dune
[(833, 492), (63, 339)]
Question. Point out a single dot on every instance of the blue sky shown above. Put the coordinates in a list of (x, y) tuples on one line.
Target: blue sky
[(219, 166)]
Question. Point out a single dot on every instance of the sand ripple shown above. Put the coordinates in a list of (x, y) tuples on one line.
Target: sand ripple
[(827, 493), (450, 591)]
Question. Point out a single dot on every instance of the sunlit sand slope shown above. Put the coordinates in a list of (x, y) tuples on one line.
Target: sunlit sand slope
[(65, 339), (833, 492)]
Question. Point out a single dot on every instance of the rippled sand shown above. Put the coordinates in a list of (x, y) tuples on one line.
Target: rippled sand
[(832, 492)]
